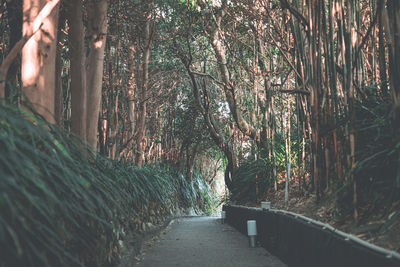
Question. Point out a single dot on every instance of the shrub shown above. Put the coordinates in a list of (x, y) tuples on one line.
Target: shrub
[(61, 204)]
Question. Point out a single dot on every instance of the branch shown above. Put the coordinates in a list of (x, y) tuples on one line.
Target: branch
[(5, 65), (208, 75), (295, 91), (284, 55), (302, 89), (285, 5), (35, 27)]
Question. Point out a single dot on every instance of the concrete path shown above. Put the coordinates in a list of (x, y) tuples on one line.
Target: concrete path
[(202, 241)]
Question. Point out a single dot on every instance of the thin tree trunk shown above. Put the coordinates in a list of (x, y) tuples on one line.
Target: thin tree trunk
[(58, 112), (382, 57), (76, 36), (288, 153), (97, 31), (131, 90), (141, 127)]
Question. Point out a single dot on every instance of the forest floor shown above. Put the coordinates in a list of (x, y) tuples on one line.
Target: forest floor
[(381, 228)]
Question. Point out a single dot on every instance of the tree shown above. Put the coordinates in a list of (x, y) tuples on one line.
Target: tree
[(39, 56), (148, 30), (97, 32), (79, 87)]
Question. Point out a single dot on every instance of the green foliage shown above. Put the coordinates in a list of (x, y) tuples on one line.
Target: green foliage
[(377, 154), (280, 152), (63, 206), (376, 150), (206, 198), (249, 175)]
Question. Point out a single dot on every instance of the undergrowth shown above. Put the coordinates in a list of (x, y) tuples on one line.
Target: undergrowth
[(377, 154), (63, 205), (376, 171), (251, 180)]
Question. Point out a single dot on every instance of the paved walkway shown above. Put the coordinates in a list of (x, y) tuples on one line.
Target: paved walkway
[(202, 241)]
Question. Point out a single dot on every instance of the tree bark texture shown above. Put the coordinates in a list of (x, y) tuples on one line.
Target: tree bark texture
[(141, 127), (97, 31), (58, 101), (78, 71), (131, 90), (39, 57)]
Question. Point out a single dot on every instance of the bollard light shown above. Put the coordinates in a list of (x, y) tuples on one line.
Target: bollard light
[(223, 216), (252, 232), (265, 205)]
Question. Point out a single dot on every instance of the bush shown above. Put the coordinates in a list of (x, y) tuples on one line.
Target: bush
[(63, 205)]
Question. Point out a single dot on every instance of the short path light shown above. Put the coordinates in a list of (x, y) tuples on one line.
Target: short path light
[(252, 232), (223, 216), (265, 205)]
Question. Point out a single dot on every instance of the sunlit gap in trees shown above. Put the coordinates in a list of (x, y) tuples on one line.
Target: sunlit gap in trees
[(223, 109)]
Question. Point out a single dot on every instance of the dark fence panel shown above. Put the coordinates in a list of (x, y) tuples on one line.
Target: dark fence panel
[(298, 242)]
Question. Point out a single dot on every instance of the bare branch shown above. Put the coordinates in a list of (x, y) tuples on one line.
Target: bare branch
[(208, 75)]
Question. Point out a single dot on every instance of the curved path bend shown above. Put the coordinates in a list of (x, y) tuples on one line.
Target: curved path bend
[(202, 241)]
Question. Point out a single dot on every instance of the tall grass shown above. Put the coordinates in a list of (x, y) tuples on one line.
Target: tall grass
[(62, 205)]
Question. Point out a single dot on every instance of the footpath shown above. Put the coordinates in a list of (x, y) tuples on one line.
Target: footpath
[(202, 241)]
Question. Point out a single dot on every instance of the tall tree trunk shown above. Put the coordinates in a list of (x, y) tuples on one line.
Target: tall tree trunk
[(78, 71), (58, 101), (287, 150), (393, 34), (97, 31), (141, 127), (349, 41), (382, 56), (131, 90), (314, 12), (39, 58)]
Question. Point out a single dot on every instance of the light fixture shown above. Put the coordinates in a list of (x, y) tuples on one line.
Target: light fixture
[(252, 232), (265, 205)]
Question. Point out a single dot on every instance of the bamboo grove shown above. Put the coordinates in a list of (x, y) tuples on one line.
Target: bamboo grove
[(313, 84)]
